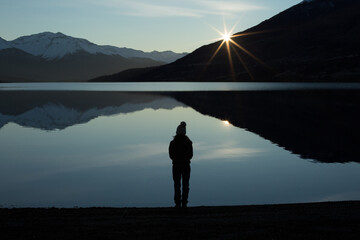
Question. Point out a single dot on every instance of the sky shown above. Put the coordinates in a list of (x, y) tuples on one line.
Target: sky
[(177, 25)]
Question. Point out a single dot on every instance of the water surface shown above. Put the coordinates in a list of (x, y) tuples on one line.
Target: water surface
[(176, 86), (72, 148)]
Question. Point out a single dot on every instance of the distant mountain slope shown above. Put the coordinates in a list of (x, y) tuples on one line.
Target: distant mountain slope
[(57, 57), (17, 65), (315, 40), (4, 44)]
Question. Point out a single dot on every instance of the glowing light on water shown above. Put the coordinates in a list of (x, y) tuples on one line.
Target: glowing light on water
[(226, 122)]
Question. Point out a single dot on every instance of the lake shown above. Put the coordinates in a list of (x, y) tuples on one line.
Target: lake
[(106, 145)]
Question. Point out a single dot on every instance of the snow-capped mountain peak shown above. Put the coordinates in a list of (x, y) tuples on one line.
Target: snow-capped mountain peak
[(54, 45), (50, 46)]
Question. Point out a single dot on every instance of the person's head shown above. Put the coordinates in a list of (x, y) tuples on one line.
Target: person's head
[(181, 129)]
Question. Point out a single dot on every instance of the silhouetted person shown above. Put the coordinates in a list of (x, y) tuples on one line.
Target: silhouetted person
[(181, 152)]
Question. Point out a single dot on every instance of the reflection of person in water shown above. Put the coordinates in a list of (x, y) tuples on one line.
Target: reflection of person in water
[(181, 152)]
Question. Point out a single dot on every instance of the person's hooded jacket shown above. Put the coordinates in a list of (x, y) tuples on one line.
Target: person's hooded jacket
[(181, 150)]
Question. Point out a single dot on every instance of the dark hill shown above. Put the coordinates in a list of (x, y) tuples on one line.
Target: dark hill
[(19, 66), (312, 41)]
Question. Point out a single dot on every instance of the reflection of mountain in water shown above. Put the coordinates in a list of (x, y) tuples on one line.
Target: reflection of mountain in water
[(59, 110), (320, 125)]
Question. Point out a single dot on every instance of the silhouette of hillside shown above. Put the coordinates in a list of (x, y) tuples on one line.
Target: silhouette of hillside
[(312, 41)]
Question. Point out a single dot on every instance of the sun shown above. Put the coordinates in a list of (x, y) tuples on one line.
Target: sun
[(233, 47), (226, 37)]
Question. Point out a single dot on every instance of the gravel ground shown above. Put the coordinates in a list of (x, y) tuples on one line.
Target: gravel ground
[(328, 220)]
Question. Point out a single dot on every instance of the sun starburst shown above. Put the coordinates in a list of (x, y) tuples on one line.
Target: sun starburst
[(227, 39)]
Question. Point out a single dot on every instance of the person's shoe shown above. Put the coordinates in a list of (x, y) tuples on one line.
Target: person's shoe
[(184, 205), (177, 206)]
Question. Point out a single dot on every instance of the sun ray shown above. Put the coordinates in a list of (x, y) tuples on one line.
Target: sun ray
[(215, 29), (230, 59), (248, 52), (234, 26), (248, 34), (225, 28), (215, 53), (243, 63)]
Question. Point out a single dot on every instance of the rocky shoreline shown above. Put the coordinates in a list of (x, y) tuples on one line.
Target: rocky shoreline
[(328, 220)]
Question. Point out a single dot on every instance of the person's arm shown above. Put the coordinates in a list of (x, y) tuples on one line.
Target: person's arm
[(171, 150), (190, 151)]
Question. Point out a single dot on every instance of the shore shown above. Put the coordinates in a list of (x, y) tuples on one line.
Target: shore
[(328, 220)]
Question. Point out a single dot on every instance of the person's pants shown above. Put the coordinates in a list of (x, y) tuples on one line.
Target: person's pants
[(181, 172)]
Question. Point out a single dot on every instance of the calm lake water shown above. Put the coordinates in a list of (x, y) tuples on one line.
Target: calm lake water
[(68, 145)]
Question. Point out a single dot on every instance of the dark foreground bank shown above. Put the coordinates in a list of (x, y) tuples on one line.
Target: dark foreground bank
[(330, 220)]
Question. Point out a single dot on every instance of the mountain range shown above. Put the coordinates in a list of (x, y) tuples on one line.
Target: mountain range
[(57, 57), (315, 40)]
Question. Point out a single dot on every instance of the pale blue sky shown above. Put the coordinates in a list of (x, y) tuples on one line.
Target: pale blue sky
[(178, 25)]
